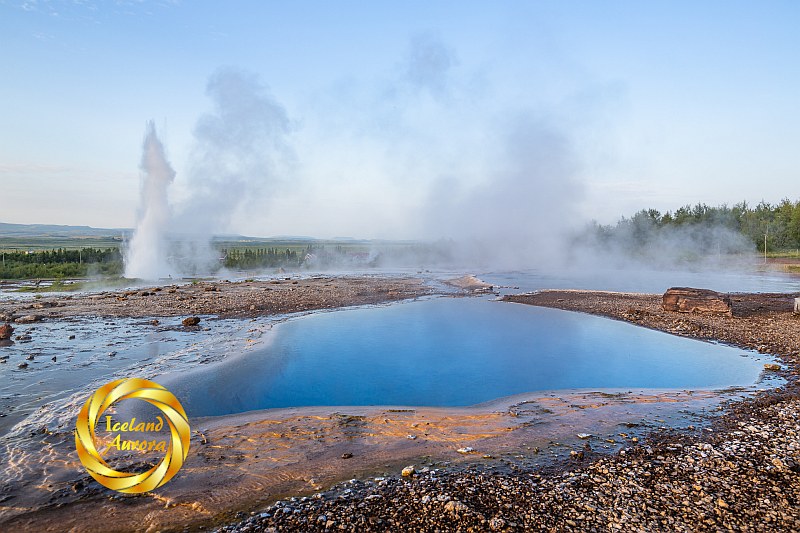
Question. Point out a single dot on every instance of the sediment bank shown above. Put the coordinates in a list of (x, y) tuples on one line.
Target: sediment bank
[(224, 299), (735, 471)]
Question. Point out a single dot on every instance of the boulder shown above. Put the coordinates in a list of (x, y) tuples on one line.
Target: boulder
[(689, 300), (470, 283), (5, 331), (191, 321), (28, 319)]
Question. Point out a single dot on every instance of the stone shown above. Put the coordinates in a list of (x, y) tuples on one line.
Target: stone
[(6, 331), (455, 507), (28, 319), (470, 283), (191, 321), (772, 367), (408, 471), (497, 524), (465, 450), (690, 300)]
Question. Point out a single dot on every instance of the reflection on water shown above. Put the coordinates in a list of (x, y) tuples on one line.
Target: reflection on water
[(640, 280), (453, 352), (44, 378)]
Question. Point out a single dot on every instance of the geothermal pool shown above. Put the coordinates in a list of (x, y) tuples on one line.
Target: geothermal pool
[(452, 352)]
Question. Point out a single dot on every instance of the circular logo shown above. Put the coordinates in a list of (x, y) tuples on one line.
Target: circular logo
[(175, 453)]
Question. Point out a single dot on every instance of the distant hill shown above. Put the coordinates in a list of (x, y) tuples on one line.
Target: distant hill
[(48, 235), (52, 230)]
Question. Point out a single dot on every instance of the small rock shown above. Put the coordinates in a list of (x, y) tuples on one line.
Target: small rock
[(71, 338), (347, 455), (191, 321), (28, 319), (496, 524), (584, 436), (112, 354), (30, 357), (455, 507), (22, 365), (54, 358), (465, 450), (772, 367), (154, 322), (5, 331), (408, 471)]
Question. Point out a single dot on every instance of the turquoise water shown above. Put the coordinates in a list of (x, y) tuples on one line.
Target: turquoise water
[(452, 352)]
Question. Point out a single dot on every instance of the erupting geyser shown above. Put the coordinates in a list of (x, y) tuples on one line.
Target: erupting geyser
[(146, 254)]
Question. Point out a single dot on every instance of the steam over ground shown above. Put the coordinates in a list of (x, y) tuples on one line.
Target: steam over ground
[(424, 153)]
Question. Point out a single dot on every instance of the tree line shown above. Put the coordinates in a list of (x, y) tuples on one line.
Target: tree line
[(779, 222), (263, 258), (60, 263)]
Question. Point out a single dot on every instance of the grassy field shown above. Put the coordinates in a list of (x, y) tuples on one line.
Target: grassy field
[(23, 244), (784, 254), (34, 257)]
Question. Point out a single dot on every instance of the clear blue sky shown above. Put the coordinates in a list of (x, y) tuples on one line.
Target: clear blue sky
[(661, 103)]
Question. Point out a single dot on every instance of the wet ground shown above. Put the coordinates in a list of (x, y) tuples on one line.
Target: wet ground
[(244, 462)]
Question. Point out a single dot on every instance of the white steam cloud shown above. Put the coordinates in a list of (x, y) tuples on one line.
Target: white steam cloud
[(430, 152), (146, 254), (239, 151)]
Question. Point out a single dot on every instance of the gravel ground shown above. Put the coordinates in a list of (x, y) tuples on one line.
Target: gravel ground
[(221, 298), (761, 321), (741, 473)]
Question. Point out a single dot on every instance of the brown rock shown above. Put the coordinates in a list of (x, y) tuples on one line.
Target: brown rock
[(470, 283), (191, 321), (689, 300), (5, 331), (28, 319)]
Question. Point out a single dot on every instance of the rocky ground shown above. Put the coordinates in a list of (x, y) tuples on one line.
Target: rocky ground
[(221, 298), (761, 321), (744, 479), (740, 474)]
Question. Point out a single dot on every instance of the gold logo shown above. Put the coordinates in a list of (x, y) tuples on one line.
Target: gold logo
[(175, 453)]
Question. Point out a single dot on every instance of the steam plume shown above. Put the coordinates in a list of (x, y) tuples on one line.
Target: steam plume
[(146, 255)]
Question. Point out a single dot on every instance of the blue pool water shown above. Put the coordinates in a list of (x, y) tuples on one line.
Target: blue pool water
[(452, 352)]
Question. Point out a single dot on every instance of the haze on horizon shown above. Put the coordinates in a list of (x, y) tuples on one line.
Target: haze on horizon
[(396, 121)]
